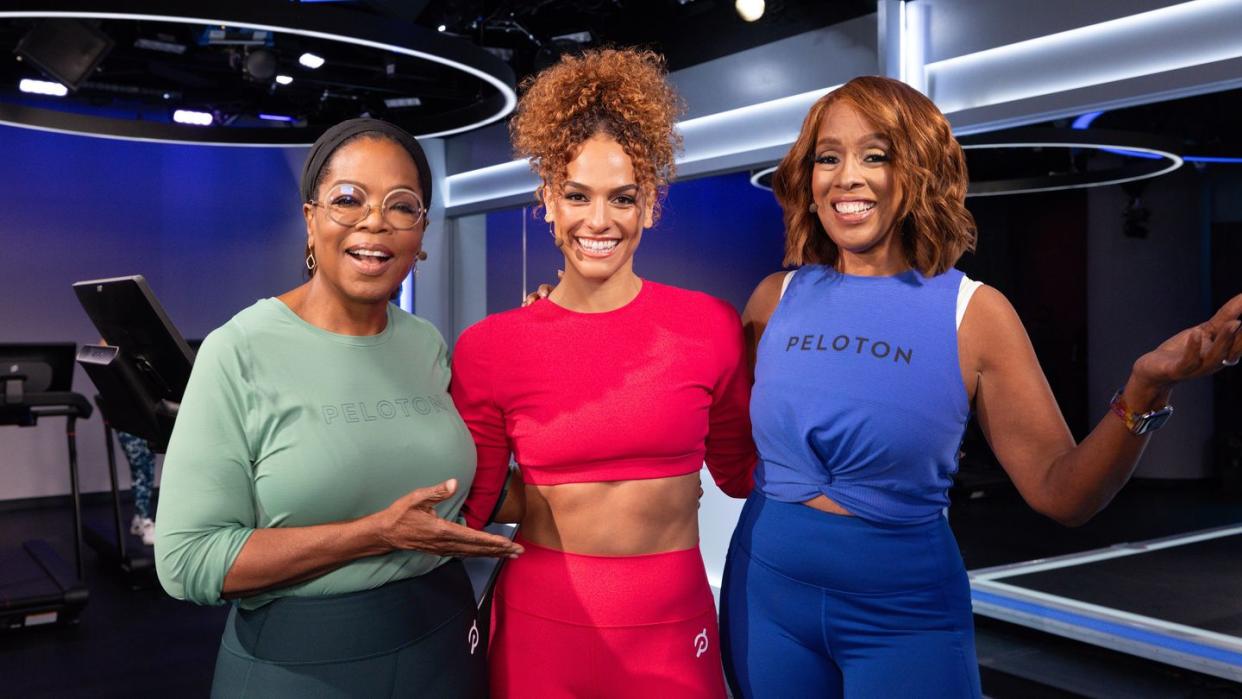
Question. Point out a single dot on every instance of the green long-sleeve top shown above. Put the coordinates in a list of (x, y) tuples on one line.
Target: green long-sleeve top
[(284, 424)]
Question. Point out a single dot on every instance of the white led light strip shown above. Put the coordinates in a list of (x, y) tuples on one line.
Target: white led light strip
[(755, 127), (1161, 40)]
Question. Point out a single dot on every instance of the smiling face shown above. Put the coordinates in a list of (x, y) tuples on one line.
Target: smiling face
[(365, 262), (857, 192), (598, 216)]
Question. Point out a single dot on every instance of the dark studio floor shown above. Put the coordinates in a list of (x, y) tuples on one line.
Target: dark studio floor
[(136, 643)]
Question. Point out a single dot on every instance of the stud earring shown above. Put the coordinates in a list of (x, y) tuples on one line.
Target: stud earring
[(813, 207), (422, 256)]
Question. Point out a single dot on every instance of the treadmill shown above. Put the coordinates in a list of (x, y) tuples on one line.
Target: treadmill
[(36, 585), (110, 537), (141, 374)]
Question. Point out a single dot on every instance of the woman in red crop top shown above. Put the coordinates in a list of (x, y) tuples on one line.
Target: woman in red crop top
[(610, 394)]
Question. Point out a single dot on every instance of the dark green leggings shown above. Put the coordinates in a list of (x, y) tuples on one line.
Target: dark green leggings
[(413, 638)]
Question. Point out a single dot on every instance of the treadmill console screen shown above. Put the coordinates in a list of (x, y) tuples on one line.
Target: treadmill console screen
[(45, 367), (128, 316)]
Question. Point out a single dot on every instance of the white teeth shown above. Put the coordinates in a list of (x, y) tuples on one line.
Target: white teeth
[(370, 253), (853, 207), (597, 245)]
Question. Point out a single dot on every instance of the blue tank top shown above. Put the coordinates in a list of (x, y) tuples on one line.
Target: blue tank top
[(858, 394)]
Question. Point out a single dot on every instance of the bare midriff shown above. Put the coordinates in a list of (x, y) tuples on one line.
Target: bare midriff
[(618, 518), (825, 504)]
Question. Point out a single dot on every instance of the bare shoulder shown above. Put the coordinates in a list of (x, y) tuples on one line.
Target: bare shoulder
[(991, 327), (764, 298)]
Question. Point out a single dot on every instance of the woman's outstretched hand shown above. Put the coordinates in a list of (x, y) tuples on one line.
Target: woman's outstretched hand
[(411, 523), (542, 292), (1198, 351)]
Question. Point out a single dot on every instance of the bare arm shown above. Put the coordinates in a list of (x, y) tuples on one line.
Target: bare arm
[(758, 311), (276, 557), (1022, 422)]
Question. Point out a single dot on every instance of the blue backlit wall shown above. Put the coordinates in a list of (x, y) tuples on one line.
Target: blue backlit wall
[(717, 234), (212, 229)]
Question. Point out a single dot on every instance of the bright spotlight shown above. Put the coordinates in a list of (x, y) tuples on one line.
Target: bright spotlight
[(750, 10), (284, 79), (42, 87), (310, 60), (187, 116)]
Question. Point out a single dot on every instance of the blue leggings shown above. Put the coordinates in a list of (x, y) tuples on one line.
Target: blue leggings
[(141, 471), (825, 605)]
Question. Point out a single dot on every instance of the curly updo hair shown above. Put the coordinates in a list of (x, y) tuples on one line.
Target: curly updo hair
[(623, 93)]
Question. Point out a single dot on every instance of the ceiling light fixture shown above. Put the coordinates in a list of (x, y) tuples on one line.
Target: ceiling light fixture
[(260, 64), (42, 87), (224, 35), (284, 80), (763, 178), (1036, 139), (399, 102), (1084, 121), (749, 10), (275, 117), (1154, 158), (336, 26), (310, 60), (193, 118), (158, 45)]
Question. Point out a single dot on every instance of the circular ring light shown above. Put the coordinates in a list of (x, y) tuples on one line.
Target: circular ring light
[(1151, 157), (763, 178), (324, 23)]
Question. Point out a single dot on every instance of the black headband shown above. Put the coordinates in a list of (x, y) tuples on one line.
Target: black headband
[(326, 145)]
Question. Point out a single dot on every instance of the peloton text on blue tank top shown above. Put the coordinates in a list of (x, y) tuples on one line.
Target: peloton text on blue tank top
[(858, 394)]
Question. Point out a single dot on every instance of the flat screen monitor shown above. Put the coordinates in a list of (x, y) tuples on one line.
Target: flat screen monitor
[(47, 367), (128, 316)]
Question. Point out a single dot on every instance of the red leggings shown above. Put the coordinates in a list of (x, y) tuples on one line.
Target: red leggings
[(573, 625)]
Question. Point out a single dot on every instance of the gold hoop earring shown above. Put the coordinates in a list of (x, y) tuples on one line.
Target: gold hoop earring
[(310, 262)]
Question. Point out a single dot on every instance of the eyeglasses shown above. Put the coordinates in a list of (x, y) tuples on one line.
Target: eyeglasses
[(347, 205)]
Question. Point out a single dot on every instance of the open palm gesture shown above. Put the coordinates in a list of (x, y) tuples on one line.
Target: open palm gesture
[(1197, 351)]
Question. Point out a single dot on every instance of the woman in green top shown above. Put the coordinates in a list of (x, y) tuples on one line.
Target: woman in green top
[(318, 465)]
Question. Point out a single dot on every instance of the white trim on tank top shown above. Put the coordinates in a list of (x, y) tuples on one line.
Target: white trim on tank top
[(965, 290)]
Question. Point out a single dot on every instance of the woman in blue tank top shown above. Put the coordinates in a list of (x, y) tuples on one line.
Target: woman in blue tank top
[(843, 577)]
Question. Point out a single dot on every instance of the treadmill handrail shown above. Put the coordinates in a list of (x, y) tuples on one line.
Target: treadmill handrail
[(50, 404)]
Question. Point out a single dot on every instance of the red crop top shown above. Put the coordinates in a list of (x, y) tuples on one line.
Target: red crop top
[(649, 390)]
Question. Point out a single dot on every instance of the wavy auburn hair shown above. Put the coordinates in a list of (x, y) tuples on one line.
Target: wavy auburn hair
[(623, 93), (927, 163)]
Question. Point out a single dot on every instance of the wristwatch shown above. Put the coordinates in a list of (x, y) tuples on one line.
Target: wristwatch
[(1139, 423)]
